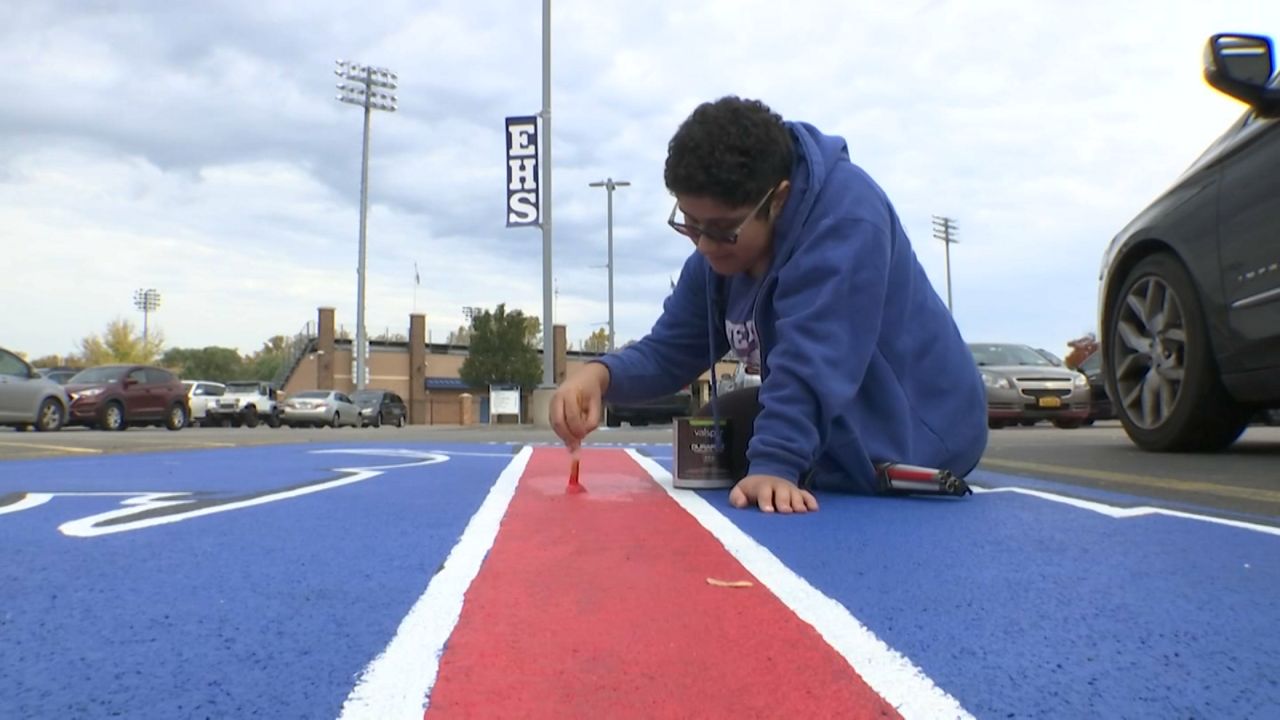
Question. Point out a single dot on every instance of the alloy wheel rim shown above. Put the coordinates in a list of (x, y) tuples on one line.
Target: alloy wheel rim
[(1150, 357), (50, 417)]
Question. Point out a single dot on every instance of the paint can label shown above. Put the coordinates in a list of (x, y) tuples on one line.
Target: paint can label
[(698, 463)]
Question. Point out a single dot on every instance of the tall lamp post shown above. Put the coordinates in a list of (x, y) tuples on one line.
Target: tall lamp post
[(148, 301), (944, 229), (609, 184), (365, 87)]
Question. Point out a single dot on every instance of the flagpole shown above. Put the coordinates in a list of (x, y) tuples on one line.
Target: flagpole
[(416, 281)]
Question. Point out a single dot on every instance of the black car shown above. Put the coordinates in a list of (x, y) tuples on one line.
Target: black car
[(380, 407), (656, 410), (1100, 407), (1189, 298)]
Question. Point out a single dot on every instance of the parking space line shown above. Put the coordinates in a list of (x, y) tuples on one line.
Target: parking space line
[(1256, 494), (56, 448)]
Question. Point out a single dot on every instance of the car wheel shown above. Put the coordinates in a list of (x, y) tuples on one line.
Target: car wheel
[(377, 420), (995, 424), (336, 421), (112, 417), (401, 420), (249, 418), (1161, 370), (612, 420), (22, 428), (1068, 424), (177, 417), (273, 420)]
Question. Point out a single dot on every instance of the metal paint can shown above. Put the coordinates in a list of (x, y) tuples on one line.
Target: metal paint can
[(699, 464)]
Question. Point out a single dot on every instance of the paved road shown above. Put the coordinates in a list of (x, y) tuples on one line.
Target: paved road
[(1244, 480)]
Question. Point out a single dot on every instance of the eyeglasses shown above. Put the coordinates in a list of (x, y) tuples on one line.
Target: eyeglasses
[(696, 233)]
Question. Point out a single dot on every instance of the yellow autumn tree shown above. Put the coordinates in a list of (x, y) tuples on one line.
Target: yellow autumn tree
[(597, 342), (121, 343)]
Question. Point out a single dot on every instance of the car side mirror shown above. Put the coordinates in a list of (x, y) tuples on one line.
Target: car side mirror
[(1241, 66)]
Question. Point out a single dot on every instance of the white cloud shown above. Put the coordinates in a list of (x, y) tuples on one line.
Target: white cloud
[(200, 151)]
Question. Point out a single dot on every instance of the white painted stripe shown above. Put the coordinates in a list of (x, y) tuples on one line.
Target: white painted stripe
[(398, 682), (1130, 512), (888, 672), (58, 448)]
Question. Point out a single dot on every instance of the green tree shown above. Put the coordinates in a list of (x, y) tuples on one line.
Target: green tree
[(121, 343), (533, 331), (57, 361), (218, 364), (500, 351), (267, 362), (597, 342)]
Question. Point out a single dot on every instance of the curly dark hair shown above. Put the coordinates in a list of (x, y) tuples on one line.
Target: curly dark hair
[(731, 150)]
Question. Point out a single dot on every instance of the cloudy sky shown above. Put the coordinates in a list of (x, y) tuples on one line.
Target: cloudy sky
[(197, 148)]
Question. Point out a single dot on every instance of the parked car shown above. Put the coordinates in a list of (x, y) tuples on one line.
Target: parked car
[(247, 403), (1189, 292), (1100, 407), (381, 407), (59, 375), (656, 410), (201, 395), (1024, 386), (113, 397), (28, 400), (320, 407)]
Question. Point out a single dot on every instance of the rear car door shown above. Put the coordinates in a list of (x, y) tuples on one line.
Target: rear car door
[(1249, 237), (138, 402), (18, 392)]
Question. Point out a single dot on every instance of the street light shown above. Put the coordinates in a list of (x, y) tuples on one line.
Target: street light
[(944, 229), (148, 301), (609, 184), (366, 88)]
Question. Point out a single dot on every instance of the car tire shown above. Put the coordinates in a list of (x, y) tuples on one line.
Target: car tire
[(1065, 424), (177, 417), (401, 420), (612, 420), (336, 421), (377, 420), (111, 417), (249, 417), (1161, 366), (995, 424), (273, 420)]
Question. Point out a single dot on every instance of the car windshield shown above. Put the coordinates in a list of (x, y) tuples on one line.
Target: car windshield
[(98, 375), (1008, 355), (366, 397), (1092, 363), (242, 388), (313, 395)]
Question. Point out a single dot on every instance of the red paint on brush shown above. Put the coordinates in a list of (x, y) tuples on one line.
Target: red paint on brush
[(574, 485)]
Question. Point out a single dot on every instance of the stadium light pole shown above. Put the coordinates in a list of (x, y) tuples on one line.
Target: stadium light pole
[(944, 229), (366, 87), (148, 301), (609, 184)]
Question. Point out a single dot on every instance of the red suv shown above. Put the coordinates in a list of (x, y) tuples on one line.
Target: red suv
[(113, 397)]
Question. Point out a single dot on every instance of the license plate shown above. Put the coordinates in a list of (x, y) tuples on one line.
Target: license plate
[(1050, 402)]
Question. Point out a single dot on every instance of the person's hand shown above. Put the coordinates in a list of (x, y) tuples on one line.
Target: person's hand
[(576, 406), (771, 493)]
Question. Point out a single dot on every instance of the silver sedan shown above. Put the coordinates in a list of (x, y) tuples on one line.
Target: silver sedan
[(28, 400), (320, 407)]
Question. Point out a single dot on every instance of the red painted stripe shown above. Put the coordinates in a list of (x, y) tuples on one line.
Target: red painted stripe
[(597, 605)]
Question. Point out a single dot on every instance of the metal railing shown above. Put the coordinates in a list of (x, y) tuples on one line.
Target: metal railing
[(299, 346)]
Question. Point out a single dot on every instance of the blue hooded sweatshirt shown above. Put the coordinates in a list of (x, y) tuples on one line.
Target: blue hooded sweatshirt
[(861, 361)]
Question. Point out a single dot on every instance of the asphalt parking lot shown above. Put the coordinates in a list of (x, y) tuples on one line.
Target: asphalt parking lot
[(1246, 479)]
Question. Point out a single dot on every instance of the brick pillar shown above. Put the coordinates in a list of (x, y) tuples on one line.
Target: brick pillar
[(325, 344), (468, 413), (560, 363), (417, 369)]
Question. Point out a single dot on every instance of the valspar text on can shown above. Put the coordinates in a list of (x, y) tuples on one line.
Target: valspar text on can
[(698, 464)]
